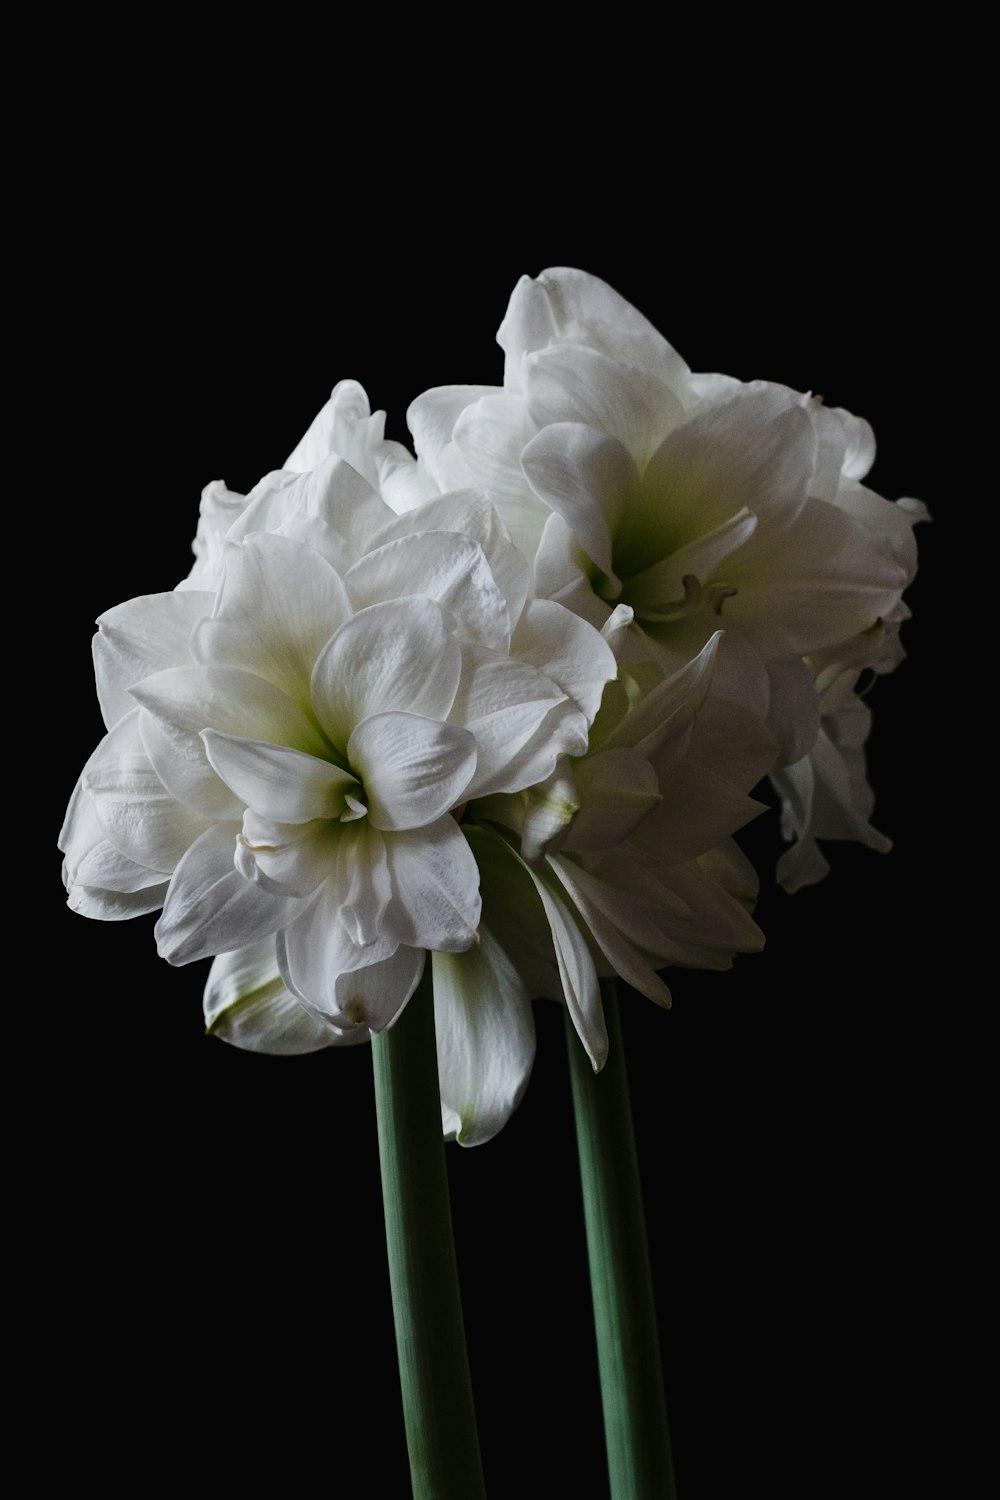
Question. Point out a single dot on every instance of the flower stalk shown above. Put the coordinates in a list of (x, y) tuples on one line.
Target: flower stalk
[(640, 1464), (438, 1406)]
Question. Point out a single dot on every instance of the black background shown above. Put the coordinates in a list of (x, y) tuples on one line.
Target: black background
[(218, 1232)]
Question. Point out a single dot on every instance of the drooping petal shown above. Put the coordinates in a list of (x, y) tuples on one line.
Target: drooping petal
[(605, 910), (413, 769), (399, 655), (284, 785), (435, 884), (485, 1038), (210, 908), (246, 1004), (115, 906), (280, 603), (140, 637)]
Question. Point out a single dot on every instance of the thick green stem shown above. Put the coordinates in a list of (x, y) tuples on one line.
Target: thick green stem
[(635, 1409), (430, 1335)]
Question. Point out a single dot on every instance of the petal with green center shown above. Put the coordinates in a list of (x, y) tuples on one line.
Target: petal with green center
[(276, 782), (400, 655), (589, 479), (413, 769)]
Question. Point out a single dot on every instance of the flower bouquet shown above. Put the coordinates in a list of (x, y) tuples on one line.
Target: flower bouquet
[(429, 735)]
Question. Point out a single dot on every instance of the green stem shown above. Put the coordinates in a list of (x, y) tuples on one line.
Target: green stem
[(635, 1409), (423, 1272)]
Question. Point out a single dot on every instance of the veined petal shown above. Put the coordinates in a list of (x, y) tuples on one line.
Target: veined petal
[(581, 990), (431, 418), (315, 950), (186, 700), (588, 478), (435, 884), (754, 452), (485, 1038), (399, 655), (210, 908), (604, 910), (246, 1004), (503, 703), (135, 810), (140, 637), (115, 906), (413, 769), (279, 605), (568, 650), (334, 427), (572, 383), (467, 511), (616, 788), (284, 785), (287, 859), (444, 566)]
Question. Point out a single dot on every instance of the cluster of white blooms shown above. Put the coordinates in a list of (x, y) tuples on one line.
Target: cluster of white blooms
[(500, 702)]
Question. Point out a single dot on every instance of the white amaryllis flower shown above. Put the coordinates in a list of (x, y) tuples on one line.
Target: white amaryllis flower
[(304, 737), (620, 862)]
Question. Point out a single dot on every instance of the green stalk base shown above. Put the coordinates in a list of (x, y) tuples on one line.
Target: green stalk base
[(430, 1335), (640, 1464)]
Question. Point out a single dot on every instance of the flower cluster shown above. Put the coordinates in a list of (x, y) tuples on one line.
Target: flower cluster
[(496, 705)]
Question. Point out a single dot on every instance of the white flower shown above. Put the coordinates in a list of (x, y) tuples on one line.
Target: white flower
[(619, 863), (304, 737)]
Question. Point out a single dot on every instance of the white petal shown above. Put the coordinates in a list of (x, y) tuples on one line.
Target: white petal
[(588, 478), (431, 418), (466, 511), (754, 452), (315, 951), (485, 1038), (616, 788), (413, 769), (141, 637), (136, 812), (277, 782), (504, 703), (246, 1004), (115, 906), (600, 915), (443, 566), (581, 990), (279, 605), (570, 383), (568, 650), (435, 882), (332, 428), (186, 700), (399, 655), (287, 859), (210, 908)]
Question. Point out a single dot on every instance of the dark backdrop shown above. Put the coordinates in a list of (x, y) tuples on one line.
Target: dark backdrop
[(220, 1237)]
